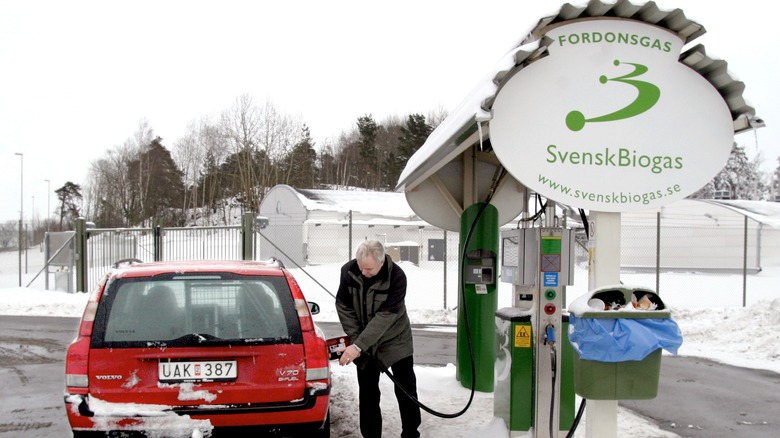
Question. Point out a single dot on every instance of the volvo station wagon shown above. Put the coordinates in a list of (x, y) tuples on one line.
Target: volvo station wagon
[(198, 349)]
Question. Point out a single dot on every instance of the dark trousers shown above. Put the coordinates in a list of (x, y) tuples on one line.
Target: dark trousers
[(370, 412)]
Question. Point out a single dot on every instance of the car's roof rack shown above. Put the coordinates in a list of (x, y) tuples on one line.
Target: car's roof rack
[(275, 261), (126, 262)]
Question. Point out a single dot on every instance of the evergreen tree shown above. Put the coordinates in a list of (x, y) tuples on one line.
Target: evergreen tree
[(367, 167), (70, 199), (210, 182), (328, 167), (158, 184), (413, 136), (301, 162), (741, 177)]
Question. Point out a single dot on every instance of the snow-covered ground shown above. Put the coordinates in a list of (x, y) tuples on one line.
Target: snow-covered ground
[(751, 340)]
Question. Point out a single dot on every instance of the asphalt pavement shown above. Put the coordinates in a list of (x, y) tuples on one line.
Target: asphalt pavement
[(696, 397)]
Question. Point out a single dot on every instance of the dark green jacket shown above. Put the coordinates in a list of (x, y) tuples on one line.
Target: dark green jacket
[(375, 317)]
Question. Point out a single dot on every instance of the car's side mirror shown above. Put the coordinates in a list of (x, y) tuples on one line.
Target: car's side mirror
[(314, 308)]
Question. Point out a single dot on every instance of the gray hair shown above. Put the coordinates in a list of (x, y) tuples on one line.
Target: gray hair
[(372, 248)]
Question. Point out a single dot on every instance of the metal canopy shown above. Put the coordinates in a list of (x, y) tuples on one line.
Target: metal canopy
[(436, 180)]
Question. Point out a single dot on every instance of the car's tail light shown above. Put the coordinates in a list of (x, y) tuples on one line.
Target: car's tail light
[(77, 359), (301, 306), (317, 374), (317, 362), (317, 357), (314, 344), (304, 315)]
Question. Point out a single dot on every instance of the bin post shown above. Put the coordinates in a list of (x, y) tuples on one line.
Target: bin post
[(479, 296), (604, 263), (566, 364)]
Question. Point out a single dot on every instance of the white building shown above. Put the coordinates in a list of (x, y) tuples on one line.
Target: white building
[(325, 226), (703, 235)]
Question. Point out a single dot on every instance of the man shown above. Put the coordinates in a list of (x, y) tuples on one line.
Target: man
[(370, 305)]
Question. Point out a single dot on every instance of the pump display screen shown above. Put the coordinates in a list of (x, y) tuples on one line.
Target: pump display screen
[(510, 254)]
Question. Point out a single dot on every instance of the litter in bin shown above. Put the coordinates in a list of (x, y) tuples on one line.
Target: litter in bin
[(643, 303), (604, 327)]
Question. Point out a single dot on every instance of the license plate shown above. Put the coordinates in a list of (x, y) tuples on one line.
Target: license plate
[(198, 371)]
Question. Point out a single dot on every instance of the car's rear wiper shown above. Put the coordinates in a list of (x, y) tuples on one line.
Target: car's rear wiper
[(203, 338), (195, 338)]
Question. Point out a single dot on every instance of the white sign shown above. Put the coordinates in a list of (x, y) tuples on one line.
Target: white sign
[(611, 120)]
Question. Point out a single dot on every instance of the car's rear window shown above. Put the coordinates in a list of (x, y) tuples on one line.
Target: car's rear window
[(196, 309)]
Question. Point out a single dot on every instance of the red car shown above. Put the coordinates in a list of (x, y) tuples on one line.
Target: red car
[(198, 348)]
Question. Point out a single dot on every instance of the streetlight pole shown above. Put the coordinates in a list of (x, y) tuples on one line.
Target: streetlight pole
[(48, 203), (46, 243), (21, 214), (27, 236)]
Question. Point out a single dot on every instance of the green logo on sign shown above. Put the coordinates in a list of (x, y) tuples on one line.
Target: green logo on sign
[(647, 97)]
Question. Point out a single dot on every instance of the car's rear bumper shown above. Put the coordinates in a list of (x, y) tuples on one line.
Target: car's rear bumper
[(306, 413)]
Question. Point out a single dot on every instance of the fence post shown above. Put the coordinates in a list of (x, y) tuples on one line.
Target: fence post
[(445, 270), (247, 236), (81, 254), (744, 263), (349, 242), (157, 242), (46, 259)]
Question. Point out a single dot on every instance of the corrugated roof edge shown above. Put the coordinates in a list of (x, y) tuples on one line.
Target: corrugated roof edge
[(445, 140)]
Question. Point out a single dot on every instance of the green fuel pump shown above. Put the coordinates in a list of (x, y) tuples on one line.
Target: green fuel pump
[(534, 376), (479, 297)]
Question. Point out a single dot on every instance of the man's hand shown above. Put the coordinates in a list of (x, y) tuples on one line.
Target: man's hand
[(349, 355)]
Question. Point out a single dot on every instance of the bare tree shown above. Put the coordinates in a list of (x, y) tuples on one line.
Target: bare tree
[(217, 150), (436, 116), (258, 137), (139, 144), (190, 156), (112, 198), (241, 126), (279, 135), (109, 188), (8, 234)]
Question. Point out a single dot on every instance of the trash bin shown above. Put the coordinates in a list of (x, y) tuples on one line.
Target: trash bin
[(617, 334)]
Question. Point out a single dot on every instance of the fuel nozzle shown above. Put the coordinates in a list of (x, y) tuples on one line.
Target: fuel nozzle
[(549, 335)]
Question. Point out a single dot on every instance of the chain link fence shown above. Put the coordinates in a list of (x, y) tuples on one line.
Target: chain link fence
[(671, 255), (665, 255), (104, 247), (668, 255)]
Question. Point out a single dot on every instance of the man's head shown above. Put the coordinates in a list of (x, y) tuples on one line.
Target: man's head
[(370, 256)]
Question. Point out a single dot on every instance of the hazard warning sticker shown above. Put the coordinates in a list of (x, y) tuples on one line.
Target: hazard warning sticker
[(522, 336)]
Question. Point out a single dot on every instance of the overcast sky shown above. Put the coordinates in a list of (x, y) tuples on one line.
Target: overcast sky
[(78, 77)]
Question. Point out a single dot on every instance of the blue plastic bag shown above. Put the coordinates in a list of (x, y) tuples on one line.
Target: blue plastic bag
[(622, 339)]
